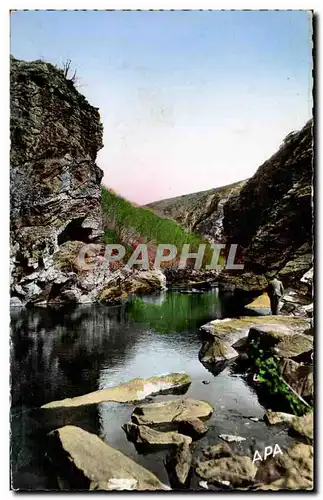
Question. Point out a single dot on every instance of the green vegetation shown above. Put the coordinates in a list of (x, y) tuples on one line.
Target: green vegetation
[(267, 370), (175, 313), (129, 224)]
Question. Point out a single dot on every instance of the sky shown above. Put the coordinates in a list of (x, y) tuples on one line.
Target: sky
[(189, 100)]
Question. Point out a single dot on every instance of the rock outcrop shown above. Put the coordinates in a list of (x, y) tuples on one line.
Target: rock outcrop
[(89, 463), (56, 236), (271, 216), (292, 470), (173, 414), (268, 216), (200, 212), (54, 180)]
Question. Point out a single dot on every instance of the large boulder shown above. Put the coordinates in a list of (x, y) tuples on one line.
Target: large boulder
[(217, 352), (235, 329), (299, 376), (278, 417), (171, 413), (134, 390), (293, 469), (54, 180), (234, 471), (178, 464), (87, 462), (281, 339), (303, 427)]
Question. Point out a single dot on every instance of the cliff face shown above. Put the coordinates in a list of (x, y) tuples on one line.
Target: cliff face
[(54, 180), (200, 212), (271, 217), (57, 251)]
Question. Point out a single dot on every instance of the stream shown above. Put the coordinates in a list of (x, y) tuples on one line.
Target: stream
[(69, 351)]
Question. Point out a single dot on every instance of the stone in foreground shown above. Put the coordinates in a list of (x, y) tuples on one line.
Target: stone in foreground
[(291, 470), (234, 470), (92, 464), (261, 302), (134, 390), (217, 451), (173, 412), (217, 352)]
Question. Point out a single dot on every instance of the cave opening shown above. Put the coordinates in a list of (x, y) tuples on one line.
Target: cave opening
[(75, 232)]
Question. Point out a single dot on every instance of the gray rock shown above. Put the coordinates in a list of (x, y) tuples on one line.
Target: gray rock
[(234, 470), (134, 390), (75, 451), (15, 302)]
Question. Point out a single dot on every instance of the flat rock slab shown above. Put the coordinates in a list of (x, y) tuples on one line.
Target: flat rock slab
[(231, 438), (86, 459), (261, 302), (134, 390), (233, 330), (304, 427), (171, 412), (291, 470), (142, 434)]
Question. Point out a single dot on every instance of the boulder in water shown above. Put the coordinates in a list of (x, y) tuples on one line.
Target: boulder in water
[(292, 469), (134, 390), (171, 413), (90, 463), (234, 470)]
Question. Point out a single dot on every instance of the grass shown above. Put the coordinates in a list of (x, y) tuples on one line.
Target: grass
[(127, 223)]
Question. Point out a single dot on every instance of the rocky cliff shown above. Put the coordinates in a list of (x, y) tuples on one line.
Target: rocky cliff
[(271, 216), (54, 180), (200, 212)]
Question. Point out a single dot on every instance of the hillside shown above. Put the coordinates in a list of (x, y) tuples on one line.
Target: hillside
[(200, 212), (129, 224)]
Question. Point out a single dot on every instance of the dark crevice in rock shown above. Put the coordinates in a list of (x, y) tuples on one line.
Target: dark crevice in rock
[(75, 232)]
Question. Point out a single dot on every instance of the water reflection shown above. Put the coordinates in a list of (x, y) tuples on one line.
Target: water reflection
[(68, 351)]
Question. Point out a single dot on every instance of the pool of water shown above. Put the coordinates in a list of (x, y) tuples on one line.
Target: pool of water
[(68, 351)]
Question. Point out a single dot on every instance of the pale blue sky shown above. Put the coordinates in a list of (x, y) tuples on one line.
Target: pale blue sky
[(189, 100)]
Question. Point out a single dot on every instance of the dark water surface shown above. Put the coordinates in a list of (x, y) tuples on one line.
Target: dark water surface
[(69, 351)]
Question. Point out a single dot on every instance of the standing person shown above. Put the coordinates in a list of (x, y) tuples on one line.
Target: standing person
[(275, 291)]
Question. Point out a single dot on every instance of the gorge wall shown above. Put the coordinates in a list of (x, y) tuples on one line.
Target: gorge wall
[(269, 215), (55, 194)]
